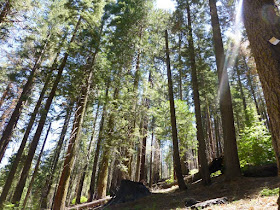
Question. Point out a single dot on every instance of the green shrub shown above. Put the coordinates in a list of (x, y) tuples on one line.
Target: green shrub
[(254, 145), (217, 173), (269, 192), (83, 200)]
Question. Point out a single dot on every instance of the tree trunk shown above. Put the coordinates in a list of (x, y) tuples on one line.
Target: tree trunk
[(5, 115), (176, 156), (59, 201), (180, 68), (98, 146), (12, 172), (49, 180), (242, 94), (202, 158), (262, 23), (36, 138), (217, 136), (210, 133), (252, 88), (156, 162), (7, 133), (232, 166), (81, 183), (5, 94), (35, 169), (5, 11), (104, 164), (151, 158), (143, 148), (138, 159)]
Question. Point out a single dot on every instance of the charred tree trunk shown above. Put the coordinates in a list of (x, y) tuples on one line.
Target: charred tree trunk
[(202, 157), (232, 166), (176, 156)]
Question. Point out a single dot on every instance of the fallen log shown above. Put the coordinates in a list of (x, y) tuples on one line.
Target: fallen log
[(267, 170), (92, 204), (193, 204)]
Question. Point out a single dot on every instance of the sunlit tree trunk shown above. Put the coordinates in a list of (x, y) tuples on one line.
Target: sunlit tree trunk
[(232, 166)]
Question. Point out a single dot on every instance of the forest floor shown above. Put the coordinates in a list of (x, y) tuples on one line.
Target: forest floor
[(244, 193)]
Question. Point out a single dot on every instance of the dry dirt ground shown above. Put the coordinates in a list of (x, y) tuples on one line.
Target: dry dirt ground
[(243, 193)]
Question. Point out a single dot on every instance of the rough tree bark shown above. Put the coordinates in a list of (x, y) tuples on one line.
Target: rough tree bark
[(60, 197), (202, 157), (262, 23), (232, 166), (176, 156)]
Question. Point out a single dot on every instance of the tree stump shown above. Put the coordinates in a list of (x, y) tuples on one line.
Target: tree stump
[(129, 191)]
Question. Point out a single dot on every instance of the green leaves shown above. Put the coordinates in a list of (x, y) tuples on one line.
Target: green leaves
[(254, 145)]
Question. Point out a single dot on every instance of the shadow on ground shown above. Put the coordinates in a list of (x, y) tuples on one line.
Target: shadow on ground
[(243, 188)]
